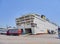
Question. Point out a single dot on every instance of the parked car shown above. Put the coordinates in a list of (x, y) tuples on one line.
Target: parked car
[(14, 32), (3, 31)]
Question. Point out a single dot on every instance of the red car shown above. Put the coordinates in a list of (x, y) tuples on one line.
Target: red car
[(14, 32)]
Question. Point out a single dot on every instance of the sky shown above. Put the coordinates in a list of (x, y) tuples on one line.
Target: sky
[(12, 9)]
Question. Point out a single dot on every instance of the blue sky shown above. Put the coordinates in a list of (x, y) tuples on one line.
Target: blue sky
[(11, 9)]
